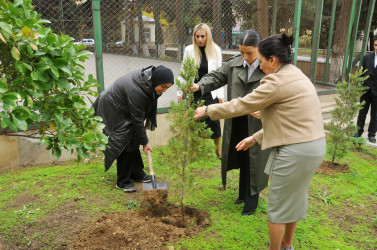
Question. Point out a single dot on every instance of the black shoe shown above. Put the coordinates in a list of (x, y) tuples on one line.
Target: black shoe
[(238, 201), (357, 135), (145, 179), (251, 204), (372, 139), (128, 188), (247, 212)]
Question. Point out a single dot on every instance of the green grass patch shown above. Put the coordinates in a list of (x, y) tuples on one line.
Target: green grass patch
[(342, 210)]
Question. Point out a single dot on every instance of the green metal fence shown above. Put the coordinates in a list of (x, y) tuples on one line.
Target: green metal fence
[(331, 36)]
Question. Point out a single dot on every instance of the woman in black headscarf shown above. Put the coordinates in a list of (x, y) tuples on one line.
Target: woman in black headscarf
[(124, 106)]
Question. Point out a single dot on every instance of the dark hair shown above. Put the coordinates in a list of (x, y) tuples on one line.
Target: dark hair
[(250, 37), (375, 38), (277, 45)]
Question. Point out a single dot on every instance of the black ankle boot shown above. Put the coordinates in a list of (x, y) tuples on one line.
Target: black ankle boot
[(251, 204)]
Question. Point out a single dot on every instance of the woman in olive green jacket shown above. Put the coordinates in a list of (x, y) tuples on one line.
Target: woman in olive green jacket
[(241, 74)]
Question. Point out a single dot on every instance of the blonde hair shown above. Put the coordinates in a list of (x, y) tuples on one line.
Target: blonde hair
[(210, 45)]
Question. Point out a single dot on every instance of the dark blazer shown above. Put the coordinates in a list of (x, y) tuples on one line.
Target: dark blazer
[(124, 106), (368, 64)]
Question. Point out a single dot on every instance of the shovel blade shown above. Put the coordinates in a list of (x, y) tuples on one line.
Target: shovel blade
[(159, 185)]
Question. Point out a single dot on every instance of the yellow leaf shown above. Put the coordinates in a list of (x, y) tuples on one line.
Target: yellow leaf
[(52, 126), (2, 38), (26, 31)]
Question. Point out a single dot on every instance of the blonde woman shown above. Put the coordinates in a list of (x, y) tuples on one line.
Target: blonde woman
[(208, 56)]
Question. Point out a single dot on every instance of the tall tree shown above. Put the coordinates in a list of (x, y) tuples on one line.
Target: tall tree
[(262, 18), (339, 43)]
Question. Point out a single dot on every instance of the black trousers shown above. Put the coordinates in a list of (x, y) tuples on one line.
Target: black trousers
[(371, 101), (129, 166), (242, 160)]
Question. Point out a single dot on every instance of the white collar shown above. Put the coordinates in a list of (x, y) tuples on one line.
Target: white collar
[(253, 65)]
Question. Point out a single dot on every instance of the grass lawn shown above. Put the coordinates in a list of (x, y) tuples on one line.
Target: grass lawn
[(43, 206)]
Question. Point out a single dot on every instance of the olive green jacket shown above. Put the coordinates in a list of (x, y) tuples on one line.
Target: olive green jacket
[(234, 75)]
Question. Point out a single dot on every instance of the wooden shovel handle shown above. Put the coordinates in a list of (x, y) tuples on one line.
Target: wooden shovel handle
[(150, 163)]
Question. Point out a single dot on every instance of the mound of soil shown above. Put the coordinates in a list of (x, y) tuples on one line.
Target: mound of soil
[(329, 168), (143, 229)]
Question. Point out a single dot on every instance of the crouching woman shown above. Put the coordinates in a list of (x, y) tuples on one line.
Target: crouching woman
[(124, 107)]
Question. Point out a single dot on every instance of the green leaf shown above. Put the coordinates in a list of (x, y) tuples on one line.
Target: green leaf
[(5, 122), (3, 87), (34, 76), (43, 76), (73, 143), (60, 63), (66, 70), (28, 66), (15, 53), (11, 98), (56, 152), (21, 124), (55, 71), (21, 112), (63, 83), (17, 3), (88, 137), (42, 67), (36, 117), (6, 27), (84, 53)]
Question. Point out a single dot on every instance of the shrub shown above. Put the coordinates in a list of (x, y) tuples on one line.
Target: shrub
[(347, 105), (42, 84)]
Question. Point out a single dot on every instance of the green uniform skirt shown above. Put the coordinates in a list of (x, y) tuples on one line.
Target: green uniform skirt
[(291, 168)]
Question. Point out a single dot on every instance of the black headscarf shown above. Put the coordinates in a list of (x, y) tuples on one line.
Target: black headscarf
[(160, 75)]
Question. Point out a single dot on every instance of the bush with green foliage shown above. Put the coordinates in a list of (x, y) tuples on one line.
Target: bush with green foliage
[(341, 126), (42, 84), (187, 143)]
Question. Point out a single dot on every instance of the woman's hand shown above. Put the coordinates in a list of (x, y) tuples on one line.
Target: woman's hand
[(195, 87), (147, 148), (221, 100), (255, 114), (246, 143), (200, 112)]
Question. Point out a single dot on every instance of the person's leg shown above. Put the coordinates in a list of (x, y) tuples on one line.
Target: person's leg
[(290, 229), (373, 117), (138, 173), (125, 166), (276, 231), (363, 112), (218, 146)]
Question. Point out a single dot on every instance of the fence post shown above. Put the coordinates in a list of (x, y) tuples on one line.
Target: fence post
[(296, 28), (331, 34), (315, 44), (98, 43), (183, 28), (353, 38)]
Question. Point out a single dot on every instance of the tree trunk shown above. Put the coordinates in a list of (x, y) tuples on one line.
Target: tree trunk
[(339, 44), (262, 18)]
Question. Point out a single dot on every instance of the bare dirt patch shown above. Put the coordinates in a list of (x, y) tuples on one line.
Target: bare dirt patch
[(144, 229), (330, 168)]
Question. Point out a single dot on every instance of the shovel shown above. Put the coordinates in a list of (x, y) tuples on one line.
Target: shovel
[(153, 184)]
